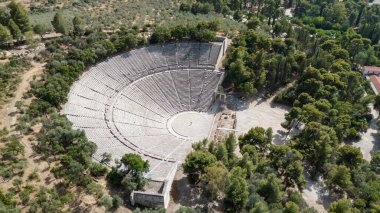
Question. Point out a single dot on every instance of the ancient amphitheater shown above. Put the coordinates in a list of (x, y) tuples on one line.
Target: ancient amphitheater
[(154, 101)]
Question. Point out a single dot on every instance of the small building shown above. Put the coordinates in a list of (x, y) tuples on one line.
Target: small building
[(373, 75), (375, 83), (370, 70)]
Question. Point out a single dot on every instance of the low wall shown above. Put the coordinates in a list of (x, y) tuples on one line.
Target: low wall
[(156, 199), (223, 40), (147, 199)]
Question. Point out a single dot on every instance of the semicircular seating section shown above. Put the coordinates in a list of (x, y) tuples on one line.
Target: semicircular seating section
[(124, 103)]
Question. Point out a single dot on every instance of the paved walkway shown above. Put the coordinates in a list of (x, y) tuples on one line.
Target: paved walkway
[(370, 140)]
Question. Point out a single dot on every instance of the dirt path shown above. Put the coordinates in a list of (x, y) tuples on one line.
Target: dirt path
[(370, 140), (9, 112), (316, 195), (262, 112), (8, 119)]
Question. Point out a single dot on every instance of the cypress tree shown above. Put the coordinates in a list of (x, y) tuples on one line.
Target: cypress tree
[(15, 30), (78, 27), (59, 24)]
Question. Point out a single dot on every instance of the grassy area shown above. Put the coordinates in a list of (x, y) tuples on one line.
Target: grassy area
[(115, 13)]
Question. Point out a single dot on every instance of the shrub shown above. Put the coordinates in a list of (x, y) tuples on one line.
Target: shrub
[(117, 201), (94, 189), (98, 170), (105, 201), (34, 175)]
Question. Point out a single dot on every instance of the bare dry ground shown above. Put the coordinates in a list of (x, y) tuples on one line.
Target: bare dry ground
[(8, 119), (183, 194), (370, 140), (261, 112), (26, 3), (316, 196)]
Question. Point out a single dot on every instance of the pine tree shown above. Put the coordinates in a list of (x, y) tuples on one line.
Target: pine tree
[(15, 30), (59, 24), (19, 16), (5, 36), (4, 16)]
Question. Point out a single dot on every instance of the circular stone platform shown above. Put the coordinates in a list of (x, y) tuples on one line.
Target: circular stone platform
[(190, 125)]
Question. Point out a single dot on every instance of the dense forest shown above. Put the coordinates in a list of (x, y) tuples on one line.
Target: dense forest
[(316, 51), (273, 59)]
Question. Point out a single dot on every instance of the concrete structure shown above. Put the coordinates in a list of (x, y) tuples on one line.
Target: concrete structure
[(156, 199), (154, 101)]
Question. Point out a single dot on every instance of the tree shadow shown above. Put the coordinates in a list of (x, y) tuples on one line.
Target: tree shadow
[(280, 137), (184, 193), (376, 142), (12, 114), (324, 196)]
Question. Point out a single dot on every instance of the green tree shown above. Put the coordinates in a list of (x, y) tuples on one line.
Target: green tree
[(4, 16), (247, 89), (251, 151), (222, 153), (71, 171), (336, 13), (117, 201), (20, 16), (196, 163), (291, 207), (78, 26), (131, 41), (288, 163), (133, 181), (230, 144), (214, 179), (160, 35), (105, 201), (59, 24), (342, 206), (179, 32), (271, 189), (318, 144), (134, 163), (237, 190), (338, 178), (39, 29), (350, 156), (97, 170), (5, 36), (375, 162), (253, 23), (258, 137), (15, 30), (272, 10), (14, 148)]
